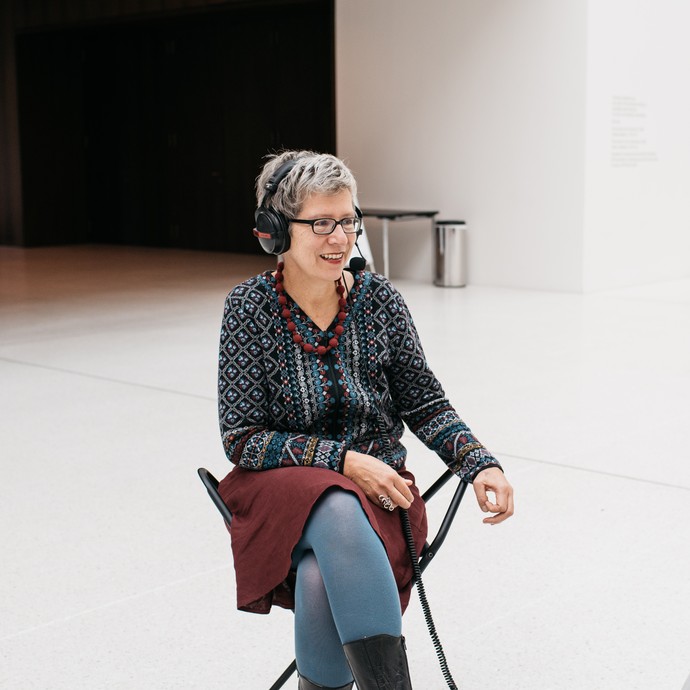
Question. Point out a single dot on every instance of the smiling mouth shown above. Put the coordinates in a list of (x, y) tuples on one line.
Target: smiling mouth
[(333, 257)]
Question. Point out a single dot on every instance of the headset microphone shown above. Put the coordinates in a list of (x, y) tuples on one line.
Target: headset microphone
[(357, 263)]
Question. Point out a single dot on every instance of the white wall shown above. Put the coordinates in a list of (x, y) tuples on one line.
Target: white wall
[(501, 113), (637, 227), (474, 108)]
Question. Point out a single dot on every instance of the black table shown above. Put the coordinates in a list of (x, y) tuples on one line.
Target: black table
[(386, 215)]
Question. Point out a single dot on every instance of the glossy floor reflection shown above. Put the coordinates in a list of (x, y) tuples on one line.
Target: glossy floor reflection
[(116, 568)]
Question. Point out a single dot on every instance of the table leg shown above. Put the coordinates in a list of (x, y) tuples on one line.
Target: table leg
[(385, 247)]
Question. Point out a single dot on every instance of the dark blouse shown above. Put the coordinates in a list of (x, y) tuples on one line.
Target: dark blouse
[(280, 406)]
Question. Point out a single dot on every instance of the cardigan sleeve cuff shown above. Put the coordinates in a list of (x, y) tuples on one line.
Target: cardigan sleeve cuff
[(326, 453), (474, 462)]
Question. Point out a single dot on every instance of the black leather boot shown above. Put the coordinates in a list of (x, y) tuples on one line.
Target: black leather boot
[(306, 684), (379, 663)]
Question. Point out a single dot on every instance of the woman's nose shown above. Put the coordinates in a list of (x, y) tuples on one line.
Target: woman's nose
[(338, 234)]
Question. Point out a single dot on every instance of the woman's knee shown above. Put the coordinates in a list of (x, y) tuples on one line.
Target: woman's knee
[(338, 505), (339, 519)]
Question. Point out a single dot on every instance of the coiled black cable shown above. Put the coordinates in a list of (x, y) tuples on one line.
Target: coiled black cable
[(407, 531)]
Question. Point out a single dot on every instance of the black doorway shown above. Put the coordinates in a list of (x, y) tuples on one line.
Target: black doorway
[(152, 133)]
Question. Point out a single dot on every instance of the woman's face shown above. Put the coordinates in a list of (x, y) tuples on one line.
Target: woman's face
[(320, 257)]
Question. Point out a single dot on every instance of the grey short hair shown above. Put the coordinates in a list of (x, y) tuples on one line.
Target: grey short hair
[(314, 173)]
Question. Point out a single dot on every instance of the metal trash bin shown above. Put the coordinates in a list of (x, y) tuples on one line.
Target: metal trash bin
[(450, 253)]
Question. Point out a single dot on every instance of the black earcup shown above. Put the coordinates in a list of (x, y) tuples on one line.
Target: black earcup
[(272, 230)]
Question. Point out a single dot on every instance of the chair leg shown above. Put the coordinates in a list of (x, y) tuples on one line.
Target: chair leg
[(306, 684), (379, 663)]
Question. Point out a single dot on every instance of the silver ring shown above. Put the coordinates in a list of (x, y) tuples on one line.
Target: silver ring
[(386, 502)]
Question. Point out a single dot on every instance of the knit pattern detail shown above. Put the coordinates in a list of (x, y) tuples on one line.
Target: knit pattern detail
[(280, 406)]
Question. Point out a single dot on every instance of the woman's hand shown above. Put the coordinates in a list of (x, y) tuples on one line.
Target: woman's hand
[(376, 479), (493, 480)]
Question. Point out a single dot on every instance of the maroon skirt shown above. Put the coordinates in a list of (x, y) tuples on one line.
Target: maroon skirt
[(270, 509)]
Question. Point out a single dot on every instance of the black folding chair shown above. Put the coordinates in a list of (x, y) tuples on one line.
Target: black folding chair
[(428, 552)]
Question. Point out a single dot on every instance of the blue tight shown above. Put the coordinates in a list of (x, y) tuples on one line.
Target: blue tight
[(345, 589)]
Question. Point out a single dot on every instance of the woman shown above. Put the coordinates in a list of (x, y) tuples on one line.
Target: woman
[(319, 368)]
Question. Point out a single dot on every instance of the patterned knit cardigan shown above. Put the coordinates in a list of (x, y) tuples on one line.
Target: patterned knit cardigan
[(280, 406)]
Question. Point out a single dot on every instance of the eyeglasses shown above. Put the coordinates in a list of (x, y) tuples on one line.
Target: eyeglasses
[(325, 226)]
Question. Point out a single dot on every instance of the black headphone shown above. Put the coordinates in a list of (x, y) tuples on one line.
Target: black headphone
[(272, 227)]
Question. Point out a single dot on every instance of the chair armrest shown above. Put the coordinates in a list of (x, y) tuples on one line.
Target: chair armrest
[(430, 550)]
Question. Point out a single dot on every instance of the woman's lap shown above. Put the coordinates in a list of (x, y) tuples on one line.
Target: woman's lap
[(270, 509)]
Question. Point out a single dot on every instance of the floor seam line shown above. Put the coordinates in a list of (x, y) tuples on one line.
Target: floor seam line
[(106, 378), (591, 471), (110, 604)]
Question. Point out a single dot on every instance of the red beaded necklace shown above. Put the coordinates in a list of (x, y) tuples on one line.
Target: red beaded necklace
[(292, 326)]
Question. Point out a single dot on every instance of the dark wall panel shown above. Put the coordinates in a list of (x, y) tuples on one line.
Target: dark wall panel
[(161, 126), (51, 127)]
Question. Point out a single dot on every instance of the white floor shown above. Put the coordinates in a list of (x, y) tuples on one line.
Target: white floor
[(116, 570)]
